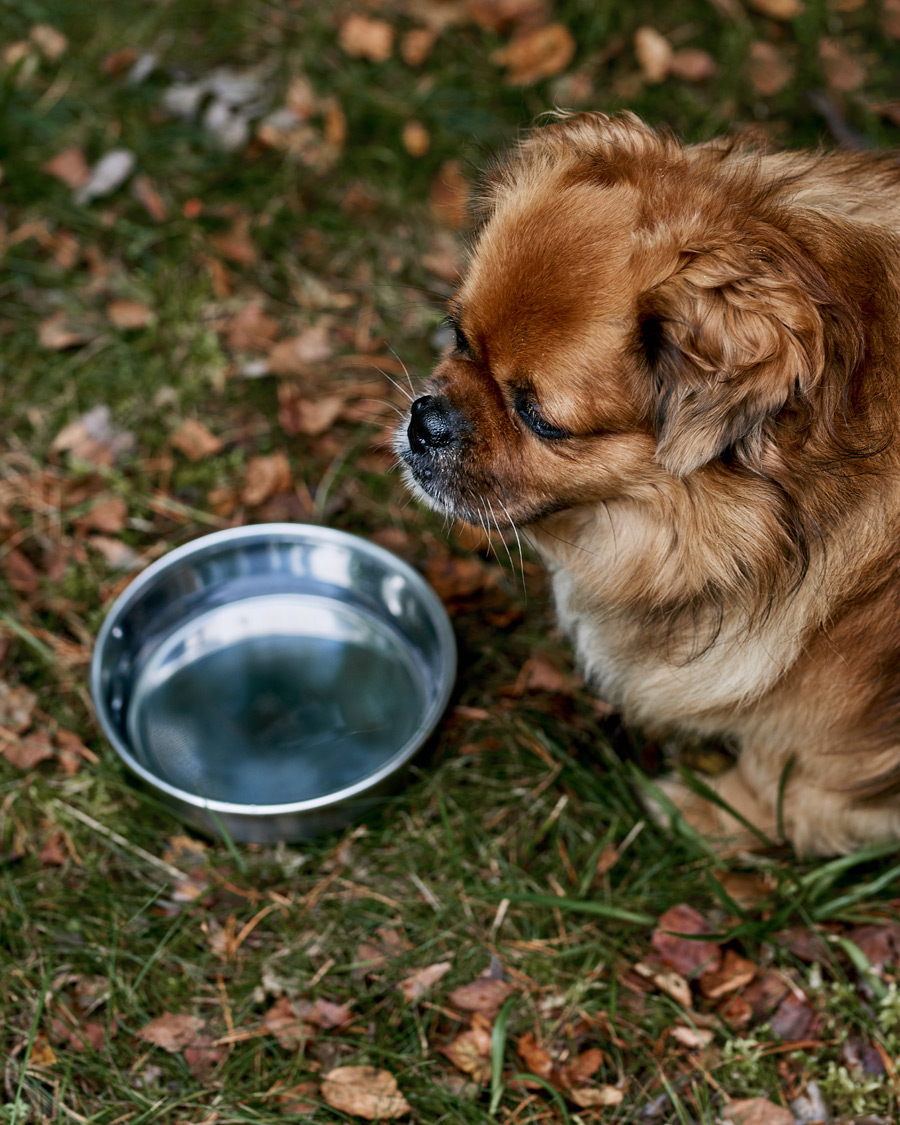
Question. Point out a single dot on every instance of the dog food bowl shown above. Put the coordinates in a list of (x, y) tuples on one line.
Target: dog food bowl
[(271, 682)]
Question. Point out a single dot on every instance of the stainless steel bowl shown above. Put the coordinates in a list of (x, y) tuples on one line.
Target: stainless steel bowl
[(271, 682)]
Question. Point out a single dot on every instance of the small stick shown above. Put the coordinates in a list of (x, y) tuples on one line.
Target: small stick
[(161, 864)]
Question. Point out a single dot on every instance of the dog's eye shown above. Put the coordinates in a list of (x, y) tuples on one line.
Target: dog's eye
[(530, 413), (461, 344)]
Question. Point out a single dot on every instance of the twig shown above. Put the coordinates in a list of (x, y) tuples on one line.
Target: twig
[(160, 864)]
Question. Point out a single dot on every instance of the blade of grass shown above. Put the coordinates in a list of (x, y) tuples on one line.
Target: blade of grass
[(498, 1047), (525, 1076), (584, 906), (692, 781)]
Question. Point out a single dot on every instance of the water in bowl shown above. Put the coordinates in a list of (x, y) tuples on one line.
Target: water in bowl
[(275, 699)]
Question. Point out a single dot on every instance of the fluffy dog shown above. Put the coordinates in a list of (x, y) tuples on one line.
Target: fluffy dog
[(678, 366)]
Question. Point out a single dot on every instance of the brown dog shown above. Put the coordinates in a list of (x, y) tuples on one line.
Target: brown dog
[(679, 368)]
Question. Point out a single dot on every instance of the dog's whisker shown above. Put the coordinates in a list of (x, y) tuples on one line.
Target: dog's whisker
[(412, 389), (518, 540)]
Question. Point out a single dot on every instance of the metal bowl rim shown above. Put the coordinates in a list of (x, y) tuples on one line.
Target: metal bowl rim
[(286, 532)]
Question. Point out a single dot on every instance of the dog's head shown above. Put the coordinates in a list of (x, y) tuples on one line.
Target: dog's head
[(634, 311)]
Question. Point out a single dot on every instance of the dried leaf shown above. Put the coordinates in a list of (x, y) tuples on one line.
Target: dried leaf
[(693, 65), (236, 244), (794, 1018), (203, 1056), (694, 1038), (298, 354), (17, 706), (51, 43), (842, 71), (778, 9), (470, 1051), (297, 1101), (536, 1059), (27, 751), (416, 138), (485, 995), (117, 554), (365, 1092), (195, 441), (171, 1031), (284, 1022), (250, 329), (144, 191), (683, 954), (365, 38), (507, 15), (537, 54), (747, 889), (416, 985), (416, 45), (58, 332), (769, 68), (890, 18), (93, 438), (757, 1111), (108, 515), (266, 477), (588, 1096), (21, 573), (69, 166), (668, 981), (129, 314), (109, 173), (879, 943), (298, 414), (120, 61), (654, 53), (735, 972), (454, 578), (54, 853)]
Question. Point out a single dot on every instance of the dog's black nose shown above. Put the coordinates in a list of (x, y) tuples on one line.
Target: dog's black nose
[(432, 424)]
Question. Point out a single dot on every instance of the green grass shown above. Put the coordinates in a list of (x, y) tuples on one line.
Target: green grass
[(492, 849)]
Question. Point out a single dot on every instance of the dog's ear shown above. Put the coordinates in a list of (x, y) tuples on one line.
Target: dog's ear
[(727, 342)]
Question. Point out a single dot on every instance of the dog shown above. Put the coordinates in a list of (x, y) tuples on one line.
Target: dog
[(676, 368)]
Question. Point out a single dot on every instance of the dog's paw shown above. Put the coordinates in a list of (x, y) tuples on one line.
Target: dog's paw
[(727, 833)]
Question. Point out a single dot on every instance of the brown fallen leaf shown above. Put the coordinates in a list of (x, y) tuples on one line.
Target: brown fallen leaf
[(778, 9), (734, 973), (21, 573), (171, 1031), (236, 243), (299, 1100), (93, 438), (51, 43), (694, 1038), (685, 955), (454, 578), (693, 65), (28, 750), (537, 1060), (416, 985), (70, 166), (195, 441), (70, 745), (129, 314), (265, 478), (203, 1056), (536, 54), (470, 1051), (17, 704), (364, 1091), (880, 942), (508, 15), (769, 68), (668, 981), (589, 1096), (108, 515), (842, 71), (416, 138), (298, 354), (416, 45), (485, 995), (59, 332), (251, 329), (795, 1018), (757, 1111), (55, 852), (364, 38), (285, 1023), (144, 191), (654, 53), (298, 414), (119, 61), (890, 18)]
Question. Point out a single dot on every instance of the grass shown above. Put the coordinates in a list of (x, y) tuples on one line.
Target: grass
[(491, 854)]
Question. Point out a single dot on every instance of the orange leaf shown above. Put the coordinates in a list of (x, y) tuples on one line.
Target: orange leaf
[(418, 984), (69, 166), (266, 477), (298, 414), (365, 38), (129, 314), (536, 1059), (195, 441), (536, 54), (470, 1051)]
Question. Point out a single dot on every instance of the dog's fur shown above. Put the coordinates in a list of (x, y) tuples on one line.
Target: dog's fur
[(679, 368)]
